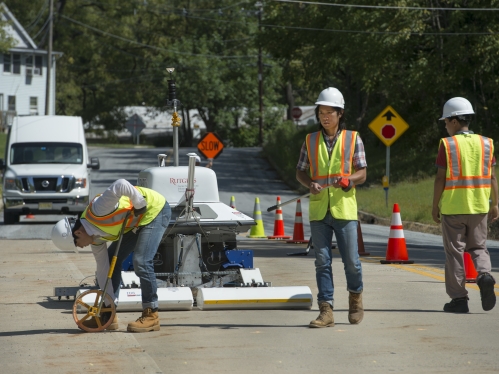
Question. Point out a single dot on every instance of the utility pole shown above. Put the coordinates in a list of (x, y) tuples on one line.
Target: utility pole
[(49, 60), (260, 74)]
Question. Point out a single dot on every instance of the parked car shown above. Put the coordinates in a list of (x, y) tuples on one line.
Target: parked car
[(46, 169)]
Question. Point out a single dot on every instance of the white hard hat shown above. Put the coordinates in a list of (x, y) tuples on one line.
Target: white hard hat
[(457, 106), (62, 235), (331, 97)]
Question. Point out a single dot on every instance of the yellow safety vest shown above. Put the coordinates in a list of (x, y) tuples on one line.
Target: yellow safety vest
[(343, 205), (469, 171), (111, 223)]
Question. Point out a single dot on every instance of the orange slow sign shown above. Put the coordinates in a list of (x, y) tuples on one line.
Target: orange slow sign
[(210, 145)]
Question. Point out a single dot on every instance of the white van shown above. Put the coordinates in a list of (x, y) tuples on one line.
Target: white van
[(45, 168)]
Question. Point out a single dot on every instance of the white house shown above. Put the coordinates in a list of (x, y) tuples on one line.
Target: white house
[(151, 122), (23, 74)]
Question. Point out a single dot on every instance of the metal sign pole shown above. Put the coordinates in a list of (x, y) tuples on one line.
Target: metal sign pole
[(387, 174)]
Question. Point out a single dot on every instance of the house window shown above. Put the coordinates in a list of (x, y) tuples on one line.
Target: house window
[(11, 103), (7, 64), (38, 65), (29, 65), (34, 65), (33, 106), (16, 63), (1, 102)]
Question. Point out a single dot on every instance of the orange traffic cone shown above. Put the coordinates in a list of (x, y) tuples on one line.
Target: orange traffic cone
[(30, 216), (396, 252), (360, 242), (298, 235), (278, 223), (469, 269)]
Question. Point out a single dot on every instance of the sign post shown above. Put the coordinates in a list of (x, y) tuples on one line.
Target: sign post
[(135, 125), (210, 145), (388, 126), (296, 112)]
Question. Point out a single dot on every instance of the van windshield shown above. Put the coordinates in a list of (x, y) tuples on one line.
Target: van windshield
[(46, 153)]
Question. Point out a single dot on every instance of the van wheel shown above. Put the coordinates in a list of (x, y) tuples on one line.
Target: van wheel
[(10, 218)]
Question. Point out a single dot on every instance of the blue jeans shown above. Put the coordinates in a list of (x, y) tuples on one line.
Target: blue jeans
[(346, 238), (144, 245)]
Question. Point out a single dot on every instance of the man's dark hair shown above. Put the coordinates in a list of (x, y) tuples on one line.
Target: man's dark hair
[(464, 120), (76, 226)]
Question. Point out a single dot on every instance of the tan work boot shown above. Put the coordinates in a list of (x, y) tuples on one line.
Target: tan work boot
[(148, 322), (325, 318), (355, 309), (92, 323)]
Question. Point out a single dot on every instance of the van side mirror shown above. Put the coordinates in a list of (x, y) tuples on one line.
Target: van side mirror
[(94, 163), (2, 165)]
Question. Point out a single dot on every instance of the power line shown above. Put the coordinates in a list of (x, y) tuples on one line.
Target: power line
[(386, 6), (37, 17), (350, 31), (381, 32), (151, 46)]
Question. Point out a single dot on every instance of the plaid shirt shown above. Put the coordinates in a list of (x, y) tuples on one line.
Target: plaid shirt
[(359, 156)]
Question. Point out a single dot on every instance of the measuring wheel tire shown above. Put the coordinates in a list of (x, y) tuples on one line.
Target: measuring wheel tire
[(89, 310)]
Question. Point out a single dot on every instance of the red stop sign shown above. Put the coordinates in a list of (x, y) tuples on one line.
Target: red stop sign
[(388, 131), (296, 112)]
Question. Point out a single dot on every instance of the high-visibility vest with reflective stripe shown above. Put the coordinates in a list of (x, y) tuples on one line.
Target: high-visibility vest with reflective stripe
[(469, 171), (323, 169), (111, 223)]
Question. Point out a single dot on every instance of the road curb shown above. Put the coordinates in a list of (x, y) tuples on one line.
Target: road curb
[(408, 225)]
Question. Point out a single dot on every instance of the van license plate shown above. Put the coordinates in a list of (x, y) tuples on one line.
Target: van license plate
[(44, 206)]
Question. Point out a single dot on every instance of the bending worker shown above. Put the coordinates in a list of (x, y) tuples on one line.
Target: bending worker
[(101, 222), (332, 161), (464, 184)]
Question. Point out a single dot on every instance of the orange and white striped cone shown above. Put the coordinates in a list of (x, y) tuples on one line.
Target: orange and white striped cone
[(469, 268), (278, 223), (298, 235), (360, 242), (396, 252)]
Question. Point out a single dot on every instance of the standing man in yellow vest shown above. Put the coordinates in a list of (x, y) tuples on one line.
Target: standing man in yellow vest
[(101, 222), (464, 184), (332, 161)]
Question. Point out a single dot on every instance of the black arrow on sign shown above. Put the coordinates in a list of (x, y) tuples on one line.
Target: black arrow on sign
[(389, 115)]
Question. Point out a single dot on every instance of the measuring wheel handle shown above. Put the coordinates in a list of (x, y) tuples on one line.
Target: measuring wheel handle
[(89, 310)]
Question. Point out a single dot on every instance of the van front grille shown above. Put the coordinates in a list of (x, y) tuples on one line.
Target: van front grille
[(47, 184)]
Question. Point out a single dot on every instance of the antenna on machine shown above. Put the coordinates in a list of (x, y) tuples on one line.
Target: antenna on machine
[(176, 120)]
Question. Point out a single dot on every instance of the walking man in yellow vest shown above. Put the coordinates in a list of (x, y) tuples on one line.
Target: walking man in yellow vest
[(464, 184), (332, 161), (101, 222)]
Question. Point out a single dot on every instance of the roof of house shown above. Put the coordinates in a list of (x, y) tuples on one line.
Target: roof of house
[(22, 40)]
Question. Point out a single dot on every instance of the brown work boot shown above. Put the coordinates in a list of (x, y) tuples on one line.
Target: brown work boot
[(325, 318), (92, 323), (148, 322), (355, 309)]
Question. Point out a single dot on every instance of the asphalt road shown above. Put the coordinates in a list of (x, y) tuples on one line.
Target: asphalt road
[(404, 329), (244, 174)]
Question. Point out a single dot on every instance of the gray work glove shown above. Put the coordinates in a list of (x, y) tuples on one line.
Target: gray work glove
[(138, 212)]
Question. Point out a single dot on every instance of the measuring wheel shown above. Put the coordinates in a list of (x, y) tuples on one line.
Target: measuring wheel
[(88, 303)]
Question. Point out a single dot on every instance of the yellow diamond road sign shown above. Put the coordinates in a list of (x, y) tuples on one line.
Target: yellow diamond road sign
[(388, 126)]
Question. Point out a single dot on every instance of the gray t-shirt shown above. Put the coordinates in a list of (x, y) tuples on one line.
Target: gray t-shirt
[(108, 202)]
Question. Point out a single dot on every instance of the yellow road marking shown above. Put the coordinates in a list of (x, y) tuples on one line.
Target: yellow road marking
[(421, 270)]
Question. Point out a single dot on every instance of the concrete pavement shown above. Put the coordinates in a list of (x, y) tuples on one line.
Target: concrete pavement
[(404, 329)]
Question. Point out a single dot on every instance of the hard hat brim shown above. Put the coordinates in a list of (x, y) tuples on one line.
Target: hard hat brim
[(328, 103), (460, 113)]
